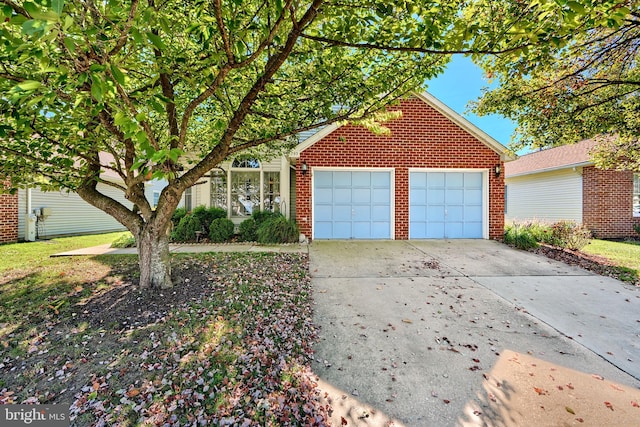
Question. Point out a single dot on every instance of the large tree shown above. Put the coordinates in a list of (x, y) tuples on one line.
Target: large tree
[(168, 89), (584, 87)]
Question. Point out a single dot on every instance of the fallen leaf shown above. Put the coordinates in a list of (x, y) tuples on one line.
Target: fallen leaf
[(635, 404), (447, 401), (540, 391), (615, 387), (569, 410), (580, 420), (598, 377), (407, 321), (343, 421), (608, 405), (133, 392)]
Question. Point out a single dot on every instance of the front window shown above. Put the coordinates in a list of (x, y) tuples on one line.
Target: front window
[(245, 192), (271, 191), (636, 194), (219, 189)]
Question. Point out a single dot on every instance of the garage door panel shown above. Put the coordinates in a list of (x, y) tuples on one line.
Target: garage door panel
[(473, 197), (454, 230), (342, 195), (435, 179), (455, 180), (473, 180), (472, 213), (341, 213), (361, 180), (435, 213), (381, 195), (356, 204), (418, 197), (341, 179), (381, 180), (454, 197), (381, 213), (446, 205), (361, 195)]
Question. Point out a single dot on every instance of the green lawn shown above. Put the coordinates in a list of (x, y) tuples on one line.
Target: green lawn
[(623, 254), (29, 254)]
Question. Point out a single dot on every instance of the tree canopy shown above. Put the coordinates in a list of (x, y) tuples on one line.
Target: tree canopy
[(168, 89), (584, 87)]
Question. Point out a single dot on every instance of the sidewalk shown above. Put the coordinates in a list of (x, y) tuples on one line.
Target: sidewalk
[(191, 248)]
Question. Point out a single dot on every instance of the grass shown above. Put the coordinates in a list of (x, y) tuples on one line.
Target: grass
[(28, 254), (229, 344), (624, 254)]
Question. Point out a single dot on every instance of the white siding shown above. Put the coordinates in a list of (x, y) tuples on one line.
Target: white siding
[(70, 214), (548, 196)]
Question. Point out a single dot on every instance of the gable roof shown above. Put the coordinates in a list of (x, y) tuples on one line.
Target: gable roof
[(562, 157), (439, 106)]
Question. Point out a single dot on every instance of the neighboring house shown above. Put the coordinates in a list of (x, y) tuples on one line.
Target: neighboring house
[(435, 175), (8, 217), (563, 184)]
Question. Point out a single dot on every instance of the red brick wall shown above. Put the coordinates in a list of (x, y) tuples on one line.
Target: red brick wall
[(8, 217), (607, 203), (421, 138)]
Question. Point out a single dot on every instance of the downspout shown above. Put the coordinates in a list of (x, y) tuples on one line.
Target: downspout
[(26, 226)]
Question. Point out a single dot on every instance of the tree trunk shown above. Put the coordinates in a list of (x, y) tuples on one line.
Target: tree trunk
[(154, 258)]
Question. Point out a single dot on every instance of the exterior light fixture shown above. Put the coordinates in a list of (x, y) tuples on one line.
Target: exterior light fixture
[(304, 168), (498, 170)]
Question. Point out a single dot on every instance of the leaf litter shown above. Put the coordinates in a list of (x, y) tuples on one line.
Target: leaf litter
[(230, 344)]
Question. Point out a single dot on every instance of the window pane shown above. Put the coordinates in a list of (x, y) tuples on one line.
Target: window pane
[(156, 197), (245, 193), (219, 190), (271, 191), (187, 199), (246, 163), (636, 194)]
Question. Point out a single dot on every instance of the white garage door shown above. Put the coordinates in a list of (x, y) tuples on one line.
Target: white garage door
[(446, 205), (352, 205)]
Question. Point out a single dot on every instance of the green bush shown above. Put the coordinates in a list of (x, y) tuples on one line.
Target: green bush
[(126, 240), (636, 228), (207, 215), (186, 229), (278, 229), (262, 216), (248, 230), (178, 214), (568, 234), (520, 236), (221, 230)]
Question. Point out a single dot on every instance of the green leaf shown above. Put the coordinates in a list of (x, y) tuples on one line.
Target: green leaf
[(576, 7), (156, 40), (97, 91), (29, 85), (57, 6), (117, 74)]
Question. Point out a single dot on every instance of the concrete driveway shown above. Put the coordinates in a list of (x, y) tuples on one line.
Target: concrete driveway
[(471, 332)]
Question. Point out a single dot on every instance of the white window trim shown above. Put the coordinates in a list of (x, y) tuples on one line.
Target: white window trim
[(633, 193)]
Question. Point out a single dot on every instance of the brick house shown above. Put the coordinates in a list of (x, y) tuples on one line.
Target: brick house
[(433, 176), (563, 184), (8, 217)]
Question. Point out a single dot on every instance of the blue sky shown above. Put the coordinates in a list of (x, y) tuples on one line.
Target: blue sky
[(462, 82)]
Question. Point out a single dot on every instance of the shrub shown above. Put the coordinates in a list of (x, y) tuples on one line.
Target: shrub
[(520, 236), (178, 214), (126, 240), (207, 215), (221, 230), (278, 229), (186, 229), (248, 230), (636, 228), (262, 216), (568, 234)]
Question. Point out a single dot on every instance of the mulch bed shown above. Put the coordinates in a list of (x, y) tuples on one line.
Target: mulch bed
[(596, 264)]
